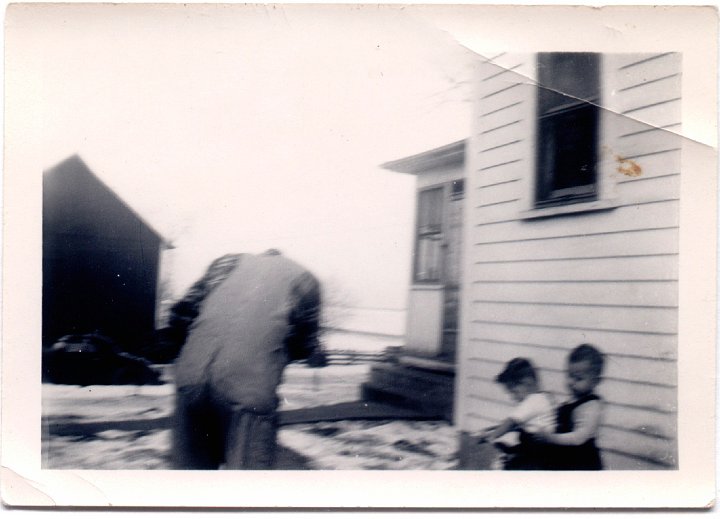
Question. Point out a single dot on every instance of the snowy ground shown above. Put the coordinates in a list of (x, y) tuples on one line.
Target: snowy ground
[(126, 427)]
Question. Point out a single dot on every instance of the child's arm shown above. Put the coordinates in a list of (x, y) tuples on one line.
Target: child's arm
[(587, 422), (524, 412), (506, 426)]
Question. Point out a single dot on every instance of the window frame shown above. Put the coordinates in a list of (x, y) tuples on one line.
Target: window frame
[(600, 195), (552, 127), (449, 191)]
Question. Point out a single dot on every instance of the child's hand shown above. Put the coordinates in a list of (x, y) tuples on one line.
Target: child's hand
[(542, 436), (486, 435)]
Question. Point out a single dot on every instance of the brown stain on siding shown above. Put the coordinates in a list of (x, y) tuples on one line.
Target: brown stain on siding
[(628, 167)]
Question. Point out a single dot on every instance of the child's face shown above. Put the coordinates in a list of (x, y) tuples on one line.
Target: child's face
[(581, 378), (520, 391)]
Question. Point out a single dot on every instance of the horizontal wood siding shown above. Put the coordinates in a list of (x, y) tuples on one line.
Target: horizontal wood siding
[(644, 242), (639, 343), (538, 287), (620, 367)]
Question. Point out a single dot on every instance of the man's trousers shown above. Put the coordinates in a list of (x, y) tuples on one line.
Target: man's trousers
[(210, 433)]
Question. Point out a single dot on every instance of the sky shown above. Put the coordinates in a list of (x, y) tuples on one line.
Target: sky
[(235, 129)]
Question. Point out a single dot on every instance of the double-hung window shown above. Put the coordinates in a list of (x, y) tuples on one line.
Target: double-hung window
[(568, 128), (439, 224), (428, 259)]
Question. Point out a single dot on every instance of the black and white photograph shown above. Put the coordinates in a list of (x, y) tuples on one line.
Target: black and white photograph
[(384, 245)]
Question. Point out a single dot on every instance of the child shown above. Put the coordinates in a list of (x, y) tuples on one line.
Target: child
[(534, 414), (573, 443)]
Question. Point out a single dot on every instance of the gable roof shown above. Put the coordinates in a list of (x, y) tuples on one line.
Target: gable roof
[(75, 164)]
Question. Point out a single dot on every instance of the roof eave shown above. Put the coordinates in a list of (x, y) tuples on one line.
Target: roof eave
[(449, 155)]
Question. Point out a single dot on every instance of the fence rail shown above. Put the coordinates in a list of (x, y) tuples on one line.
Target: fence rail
[(343, 358)]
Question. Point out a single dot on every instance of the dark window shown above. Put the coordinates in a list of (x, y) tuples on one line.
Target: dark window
[(457, 189), (568, 115)]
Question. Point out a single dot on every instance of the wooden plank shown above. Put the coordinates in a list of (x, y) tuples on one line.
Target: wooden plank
[(617, 461), (655, 398), (514, 169), (617, 125), (497, 193), (641, 319), (638, 448), (647, 143), (657, 165), (655, 268), (645, 242), (504, 90), (658, 115), (496, 135), (492, 115), (660, 399), (659, 450), (620, 219), (641, 421), (494, 77), (503, 136), (611, 460), (490, 75), (501, 155), (506, 98), (650, 91), (608, 341), (655, 149), (511, 60), (488, 356), (648, 423), (636, 69), (666, 188), (494, 176), (630, 60), (504, 209), (636, 369), (551, 369), (528, 69)]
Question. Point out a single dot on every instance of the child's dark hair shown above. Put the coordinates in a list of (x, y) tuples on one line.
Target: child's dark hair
[(515, 372), (588, 352)]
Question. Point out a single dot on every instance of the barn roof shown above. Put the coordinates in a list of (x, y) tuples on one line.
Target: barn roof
[(75, 163)]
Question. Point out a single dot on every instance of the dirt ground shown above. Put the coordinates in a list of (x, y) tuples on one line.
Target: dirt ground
[(127, 427)]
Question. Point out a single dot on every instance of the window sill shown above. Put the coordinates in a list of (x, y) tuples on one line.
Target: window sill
[(426, 285), (580, 207)]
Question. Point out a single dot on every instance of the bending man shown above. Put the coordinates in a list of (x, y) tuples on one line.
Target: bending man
[(242, 323)]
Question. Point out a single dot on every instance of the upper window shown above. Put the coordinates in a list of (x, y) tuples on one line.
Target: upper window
[(568, 115)]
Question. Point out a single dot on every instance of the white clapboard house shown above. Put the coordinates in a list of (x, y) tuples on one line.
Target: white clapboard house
[(554, 224)]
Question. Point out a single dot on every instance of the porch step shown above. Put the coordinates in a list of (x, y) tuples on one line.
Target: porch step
[(411, 387), (432, 364)]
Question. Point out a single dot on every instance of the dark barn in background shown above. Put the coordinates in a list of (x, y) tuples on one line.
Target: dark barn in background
[(100, 261)]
